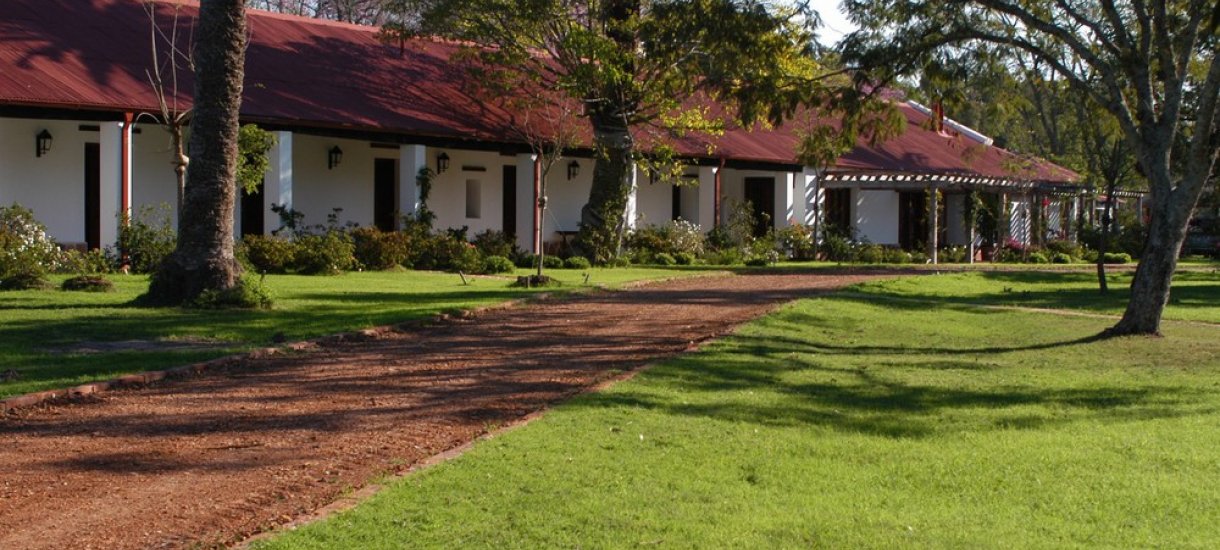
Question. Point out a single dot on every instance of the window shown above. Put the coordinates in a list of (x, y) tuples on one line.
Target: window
[(474, 199)]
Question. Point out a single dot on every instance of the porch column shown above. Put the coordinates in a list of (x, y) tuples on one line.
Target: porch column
[(277, 187), (526, 202), (933, 223), (115, 179), (706, 216), (629, 215), (785, 206), (411, 159), (811, 204), (1073, 218), (1004, 221)]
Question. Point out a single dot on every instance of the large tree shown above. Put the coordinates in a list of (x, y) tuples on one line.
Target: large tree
[(637, 66), (1152, 64), (203, 259)]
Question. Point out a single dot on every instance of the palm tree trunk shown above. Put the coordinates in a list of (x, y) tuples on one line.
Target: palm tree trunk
[(204, 257)]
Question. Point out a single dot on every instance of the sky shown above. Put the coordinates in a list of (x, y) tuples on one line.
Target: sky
[(834, 22)]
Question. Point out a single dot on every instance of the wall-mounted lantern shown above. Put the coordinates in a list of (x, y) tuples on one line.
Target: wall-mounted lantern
[(442, 162), (334, 157), (42, 143), (573, 170)]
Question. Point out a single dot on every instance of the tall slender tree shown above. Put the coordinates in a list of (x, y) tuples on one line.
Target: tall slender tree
[(1152, 64), (203, 259)]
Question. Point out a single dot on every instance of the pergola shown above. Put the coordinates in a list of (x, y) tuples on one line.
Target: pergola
[(887, 180)]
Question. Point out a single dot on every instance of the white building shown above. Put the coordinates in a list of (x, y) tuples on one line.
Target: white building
[(356, 119)]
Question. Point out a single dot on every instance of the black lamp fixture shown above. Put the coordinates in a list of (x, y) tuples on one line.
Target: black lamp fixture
[(334, 157), (42, 143), (442, 162), (573, 170)]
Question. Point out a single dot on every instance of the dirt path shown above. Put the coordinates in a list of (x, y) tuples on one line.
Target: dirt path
[(212, 459)]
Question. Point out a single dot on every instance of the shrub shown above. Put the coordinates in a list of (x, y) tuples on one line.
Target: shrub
[(244, 295), (870, 254), (917, 257), (91, 262), (496, 243), (1061, 258), (727, 256), (377, 250), (577, 262), (88, 283), (663, 258), (896, 256), (684, 258), (1071, 249), (147, 239), (797, 242), (757, 261), (672, 238), (1117, 258), (328, 253), (269, 254), (448, 251), (552, 262), (837, 245), (26, 252), (954, 254), (1037, 258), (526, 261), (497, 264)]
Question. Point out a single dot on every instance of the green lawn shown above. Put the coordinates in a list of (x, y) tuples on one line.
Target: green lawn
[(1195, 295), (851, 422), (36, 327)]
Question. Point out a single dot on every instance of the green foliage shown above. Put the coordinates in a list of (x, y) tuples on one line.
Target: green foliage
[(496, 243), (498, 264), (1038, 258), (449, 251), (678, 236), (377, 250), (327, 253), (1061, 258), (663, 258), (953, 255), (1117, 258), (685, 258), (253, 144), (577, 262), (90, 262), (148, 238), (88, 283), (246, 294), (870, 254), (838, 244), (269, 254), (796, 241), (552, 262), (27, 253)]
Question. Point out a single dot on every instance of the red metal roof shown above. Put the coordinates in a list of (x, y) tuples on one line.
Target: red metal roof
[(93, 55)]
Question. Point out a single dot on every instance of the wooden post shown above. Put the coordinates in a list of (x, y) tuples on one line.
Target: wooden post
[(933, 223)]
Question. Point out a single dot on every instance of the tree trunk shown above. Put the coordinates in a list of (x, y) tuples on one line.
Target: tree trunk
[(1159, 259), (601, 220), (1107, 224), (180, 164), (203, 259)]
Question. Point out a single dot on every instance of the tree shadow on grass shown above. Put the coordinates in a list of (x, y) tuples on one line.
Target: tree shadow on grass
[(859, 403)]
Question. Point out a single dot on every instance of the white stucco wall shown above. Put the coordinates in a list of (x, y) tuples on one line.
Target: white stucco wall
[(565, 198), (316, 189), (152, 176), (448, 199), (654, 202), (53, 186), (876, 215)]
